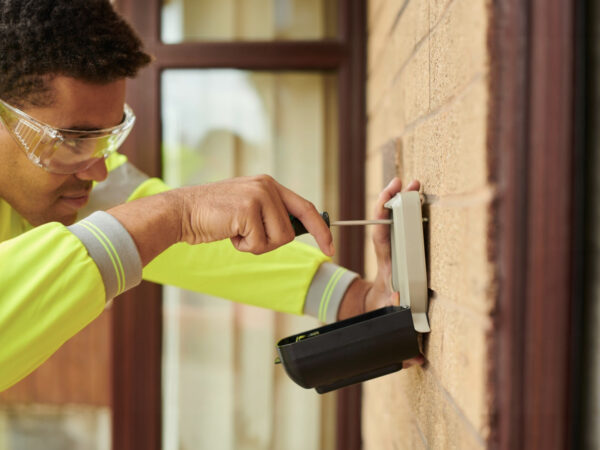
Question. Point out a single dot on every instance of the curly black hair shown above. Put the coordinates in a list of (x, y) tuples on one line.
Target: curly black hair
[(83, 39)]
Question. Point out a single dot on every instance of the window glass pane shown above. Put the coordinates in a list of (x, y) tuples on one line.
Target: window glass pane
[(221, 389), (55, 427), (66, 402), (234, 20)]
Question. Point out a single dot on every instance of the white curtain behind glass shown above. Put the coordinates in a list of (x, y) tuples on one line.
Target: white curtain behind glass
[(225, 20), (221, 389)]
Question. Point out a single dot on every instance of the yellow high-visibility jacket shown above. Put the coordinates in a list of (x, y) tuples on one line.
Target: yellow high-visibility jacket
[(55, 279)]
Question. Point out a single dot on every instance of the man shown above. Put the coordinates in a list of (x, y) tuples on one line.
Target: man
[(62, 93)]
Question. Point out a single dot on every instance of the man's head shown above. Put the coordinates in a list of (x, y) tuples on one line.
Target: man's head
[(64, 62), (83, 39)]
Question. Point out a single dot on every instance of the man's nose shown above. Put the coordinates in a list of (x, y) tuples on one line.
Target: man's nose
[(96, 172)]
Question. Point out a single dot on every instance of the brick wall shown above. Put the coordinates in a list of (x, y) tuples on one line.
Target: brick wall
[(428, 96)]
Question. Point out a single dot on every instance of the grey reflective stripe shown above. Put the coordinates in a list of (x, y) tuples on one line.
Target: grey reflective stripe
[(326, 291), (112, 249), (115, 190)]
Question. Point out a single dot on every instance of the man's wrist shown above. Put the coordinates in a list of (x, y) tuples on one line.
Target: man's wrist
[(154, 223), (327, 289), (354, 300)]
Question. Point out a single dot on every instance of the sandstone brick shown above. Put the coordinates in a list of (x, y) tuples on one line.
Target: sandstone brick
[(457, 354), (390, 53), (374, 167), (381, 78), (436, 11), (404, 19), (374, 8), (411, 28), (462, 277), (458, 260), (399, 160), (381, 126), (428, 94), (443, 425), (458, 255), (390, 161), (422, 25), (448, 150), (420, 410), (388, 120), (408, 158), (388, 428), (414, 81), (457, 350), (458, 49), (381, 28)]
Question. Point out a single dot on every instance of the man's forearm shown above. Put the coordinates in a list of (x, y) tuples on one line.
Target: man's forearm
[(153, 223), (353, 302), (251, 211)]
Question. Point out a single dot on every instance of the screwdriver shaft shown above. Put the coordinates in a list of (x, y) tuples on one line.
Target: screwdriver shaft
[(361, 222), (299, 228)]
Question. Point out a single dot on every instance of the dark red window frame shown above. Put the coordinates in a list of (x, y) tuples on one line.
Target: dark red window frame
[(536, 142), (137, 324)]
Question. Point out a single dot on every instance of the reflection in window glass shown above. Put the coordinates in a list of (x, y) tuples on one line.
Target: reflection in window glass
[(221, 389), (54, 427), (233, 20)]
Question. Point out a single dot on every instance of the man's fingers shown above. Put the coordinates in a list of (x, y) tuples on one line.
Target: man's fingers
[(394, 186), (310, 218), (414, 185), (252, 211), (252, 235), (416, 361), (390, 190), (395, 298), (278, 227), (381, 233)]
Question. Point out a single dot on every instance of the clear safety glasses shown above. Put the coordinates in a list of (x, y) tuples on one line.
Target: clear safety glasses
[(63, 151)]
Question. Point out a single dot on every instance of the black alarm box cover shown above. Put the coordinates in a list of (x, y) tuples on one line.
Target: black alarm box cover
[(350, 351)]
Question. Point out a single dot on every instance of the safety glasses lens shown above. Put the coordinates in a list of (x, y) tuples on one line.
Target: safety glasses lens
[(63, 151)]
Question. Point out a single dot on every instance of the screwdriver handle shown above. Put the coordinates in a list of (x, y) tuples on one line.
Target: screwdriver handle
[(299, 228)]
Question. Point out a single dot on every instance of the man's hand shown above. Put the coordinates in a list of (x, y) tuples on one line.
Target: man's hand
[(381, 293), (363, 296), (251, 211)]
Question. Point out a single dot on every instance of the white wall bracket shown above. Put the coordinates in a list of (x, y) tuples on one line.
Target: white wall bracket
[(409, 273)]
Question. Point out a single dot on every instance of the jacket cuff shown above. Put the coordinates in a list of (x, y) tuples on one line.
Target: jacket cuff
[(327, 290), (113, 250)]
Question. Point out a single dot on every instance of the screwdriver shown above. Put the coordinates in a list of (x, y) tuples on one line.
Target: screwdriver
[(300, 229)]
